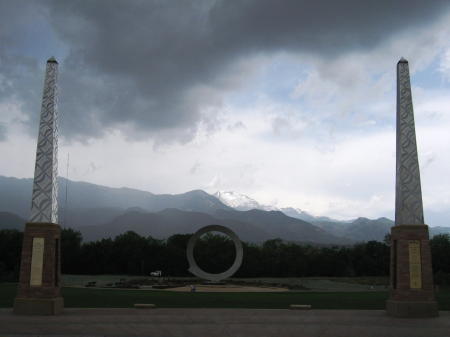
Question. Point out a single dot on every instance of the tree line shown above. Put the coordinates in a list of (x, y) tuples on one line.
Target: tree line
[(132, 254)]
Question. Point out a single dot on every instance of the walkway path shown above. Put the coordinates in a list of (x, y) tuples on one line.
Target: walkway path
[(221, 322)]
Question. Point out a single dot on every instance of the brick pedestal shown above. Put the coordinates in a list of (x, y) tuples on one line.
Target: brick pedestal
[(39, 291), (411, 293)]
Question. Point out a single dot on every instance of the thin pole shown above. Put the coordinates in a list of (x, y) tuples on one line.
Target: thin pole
[(67, 184)]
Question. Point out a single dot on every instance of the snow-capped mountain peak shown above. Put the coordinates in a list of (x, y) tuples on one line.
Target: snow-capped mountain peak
[(241, 202)]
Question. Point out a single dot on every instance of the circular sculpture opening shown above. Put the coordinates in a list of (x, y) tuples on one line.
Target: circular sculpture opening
[(197, 271)]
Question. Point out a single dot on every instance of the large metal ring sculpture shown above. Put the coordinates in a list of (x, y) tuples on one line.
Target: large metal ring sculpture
[(197, 271)]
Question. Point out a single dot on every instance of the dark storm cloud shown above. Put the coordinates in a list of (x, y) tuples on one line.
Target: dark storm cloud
[(324, 26), (158, 68), (18, 80)]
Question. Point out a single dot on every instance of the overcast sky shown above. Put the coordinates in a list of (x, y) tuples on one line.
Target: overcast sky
[(289, 102)]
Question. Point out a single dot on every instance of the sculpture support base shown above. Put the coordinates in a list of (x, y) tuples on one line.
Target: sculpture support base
[(38, 306), (412, 289), (39, 289)]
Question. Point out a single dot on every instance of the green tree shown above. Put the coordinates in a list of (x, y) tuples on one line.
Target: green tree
[(440, 252), (214, 253), (70, 251), (129, 252), (10, 251), (175, 261)]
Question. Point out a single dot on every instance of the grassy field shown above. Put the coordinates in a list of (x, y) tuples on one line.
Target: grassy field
[(96, 298), (337, 284)]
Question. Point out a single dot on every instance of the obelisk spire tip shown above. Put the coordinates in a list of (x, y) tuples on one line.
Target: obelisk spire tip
[(52, 60), (403, 60)]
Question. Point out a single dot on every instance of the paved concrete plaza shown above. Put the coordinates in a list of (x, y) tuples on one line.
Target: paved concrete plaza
[(221, 322)]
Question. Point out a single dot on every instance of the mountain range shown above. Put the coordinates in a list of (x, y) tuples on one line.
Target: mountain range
[(100, 212), (360, 229), (243, 202)]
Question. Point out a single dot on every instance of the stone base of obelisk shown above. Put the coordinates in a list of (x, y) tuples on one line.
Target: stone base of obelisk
[(412, 289), (39, 290)]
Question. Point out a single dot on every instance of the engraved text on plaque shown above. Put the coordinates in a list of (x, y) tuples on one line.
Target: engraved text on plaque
[(415, 267), (37, 262)]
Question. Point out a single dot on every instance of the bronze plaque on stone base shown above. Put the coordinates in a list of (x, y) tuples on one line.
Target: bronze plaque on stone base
[(415, 268), (39, 289), (411, 293), (37, 261)]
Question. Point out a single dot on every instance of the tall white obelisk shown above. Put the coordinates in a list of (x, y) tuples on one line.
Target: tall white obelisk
[(44, 202), (412, 289), (39, 290)]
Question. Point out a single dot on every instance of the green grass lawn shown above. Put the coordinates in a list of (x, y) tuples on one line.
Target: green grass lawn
[(96, 298)]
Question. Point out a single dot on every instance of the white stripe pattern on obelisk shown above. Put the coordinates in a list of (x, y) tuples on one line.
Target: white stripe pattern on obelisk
[(44, 203), (408, 194)]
